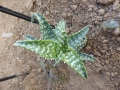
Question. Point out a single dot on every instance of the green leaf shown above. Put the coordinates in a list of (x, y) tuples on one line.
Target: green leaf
[(45, 48), (86, 57), (75, 39), (29, 37), (46, 29), (60, 30), (82, 44), (73, 60), (59, 58)]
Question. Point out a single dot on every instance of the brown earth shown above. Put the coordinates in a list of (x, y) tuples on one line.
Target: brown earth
[(104, 73)]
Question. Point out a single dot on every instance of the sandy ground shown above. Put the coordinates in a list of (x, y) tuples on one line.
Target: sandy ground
[(104, 73)]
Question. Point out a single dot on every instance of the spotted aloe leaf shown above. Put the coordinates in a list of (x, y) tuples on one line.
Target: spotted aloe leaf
[(60, 30), (29, 37), (59, 58), (73, 60), (75, 39), (46, 29), (45, 48), (86, 57), (82, 44)]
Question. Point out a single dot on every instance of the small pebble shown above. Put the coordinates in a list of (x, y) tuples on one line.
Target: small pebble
[(74, 7), (67, 30), (88, 48), (90, 7), (116, 73), (64, 14), (104, 41), (117, 31), (112, 74), (97, 53), (7, 35), (69, 15), (118, 49), (115, 7), (118, 14), (85, 2), (101, 11), (71, 83), (108, 73), (107, 84), (118, 39), (105, 2), (47, 13), (110, 24)]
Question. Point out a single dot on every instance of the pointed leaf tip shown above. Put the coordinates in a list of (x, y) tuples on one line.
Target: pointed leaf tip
[(73, 60)]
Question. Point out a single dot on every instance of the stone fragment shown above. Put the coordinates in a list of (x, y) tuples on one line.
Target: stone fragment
[(7, 35), (116, 31), (47, 13), (118, 48), (105, 2), (118, 39), (104, 41), (101, 11), (85, 2), (108, 73), (64, 14), (88, 48), (116, 6), (74, 7), (110, 24)]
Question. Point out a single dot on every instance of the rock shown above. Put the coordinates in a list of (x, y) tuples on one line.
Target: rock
[(67, 30), (112, 74), (88, 48), (107, 84), (90, 7), (110, 24), (116, 73), (47, 13), (97, 53), (118, 14), (74, 7), (104, 41), (116, 6), (117, 31), (118, 48), (108, 73), (69, 14), (105, 2), (7, 35), (118, 39), (29, 5), (93, 35), (85, 2), (71, 84), (101, 11), (64, 14)]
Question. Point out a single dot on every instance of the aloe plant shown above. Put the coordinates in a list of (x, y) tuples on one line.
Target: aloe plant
[(56, 45)]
